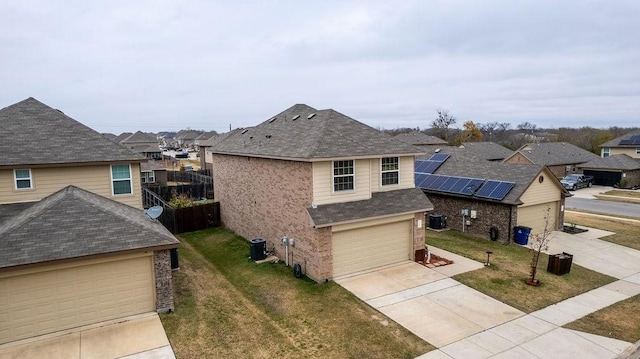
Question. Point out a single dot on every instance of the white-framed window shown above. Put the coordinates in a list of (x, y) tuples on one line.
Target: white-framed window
[(121, 179), (343, 175), (389, 169), (637, 150), (23, 178), (148, 177), (605, 151)]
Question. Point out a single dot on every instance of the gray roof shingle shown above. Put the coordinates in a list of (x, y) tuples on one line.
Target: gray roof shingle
[(33, 133), (555, 153), (139, 137), (462, 163), (75, 223), (613, 162), (304, 133), (381, 204), (616, 141), (488, 150)]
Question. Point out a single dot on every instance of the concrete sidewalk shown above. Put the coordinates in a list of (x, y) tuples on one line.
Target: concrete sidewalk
[(137, 337)]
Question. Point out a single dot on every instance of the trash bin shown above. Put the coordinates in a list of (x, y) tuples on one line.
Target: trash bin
[(258, 249), (436, 221), (521, 235), (560, 264)]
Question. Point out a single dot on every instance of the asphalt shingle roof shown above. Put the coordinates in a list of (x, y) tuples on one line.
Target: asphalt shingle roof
[(139, 137), (33, 133), (616, 141), (304, 133), (75, 223), (380, 204), (418, 138), (555, 153), (614, 162), (462, 163), (488, 150)]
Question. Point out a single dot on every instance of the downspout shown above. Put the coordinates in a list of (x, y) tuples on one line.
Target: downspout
[(510, 222)]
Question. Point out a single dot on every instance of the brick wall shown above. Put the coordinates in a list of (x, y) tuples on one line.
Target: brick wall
[(164, 282), (268, 198), (501, 216), (418, 233)]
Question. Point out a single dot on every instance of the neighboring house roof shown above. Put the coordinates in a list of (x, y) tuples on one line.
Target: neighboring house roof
[(146, 149), (487, 150), (418, 138), (304, 133), (613, 162), (187, 134), (523, 175), (207, 135), (139, 137), (121, 137), (153, 166), (109, 136), (381, 204), (616, 141), (554, 153), (75, 223), (33, 133)]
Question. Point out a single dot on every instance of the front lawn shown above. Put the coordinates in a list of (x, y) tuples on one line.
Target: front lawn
[(510, 265), (618, 321), (230, 307)]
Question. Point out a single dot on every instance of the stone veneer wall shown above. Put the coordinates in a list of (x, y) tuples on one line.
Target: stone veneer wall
[(164, 280), (501, 216), (268, 198)]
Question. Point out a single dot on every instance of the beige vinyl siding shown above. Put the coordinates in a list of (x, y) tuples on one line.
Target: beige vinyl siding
[(405, 174), (367, 245), (323, 183), (544, 192), (54, 298), (533, 216), (95, 178), (631, 152)]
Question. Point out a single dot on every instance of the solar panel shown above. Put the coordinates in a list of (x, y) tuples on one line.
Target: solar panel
[(432, 167), (439, 181), (420, 166), (633, 140), (439, 157), (472, 186), (495, 189), (448, 184), (420, 178), (430, 179)]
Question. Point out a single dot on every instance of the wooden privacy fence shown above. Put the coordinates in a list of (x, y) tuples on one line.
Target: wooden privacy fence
[(187, 219)]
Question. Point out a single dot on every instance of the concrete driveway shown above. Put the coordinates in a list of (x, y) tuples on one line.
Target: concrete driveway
[(427, 302), (137, 337)]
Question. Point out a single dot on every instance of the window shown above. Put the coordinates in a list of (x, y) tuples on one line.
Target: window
[(23, 179), (637, 150), (148, 177), (343, 176), (605, 151), (389, 170), (121, 179)]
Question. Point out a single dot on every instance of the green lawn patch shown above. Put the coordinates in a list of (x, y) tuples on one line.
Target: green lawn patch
[(228, 306), (627, 233), (510, 266), (618, 321)]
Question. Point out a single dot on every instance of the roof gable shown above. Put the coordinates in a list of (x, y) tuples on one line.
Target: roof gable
[(75, 223), (139, 137), (304, 133), (555, 153), (33, 133), (616, 141), (613, 162)]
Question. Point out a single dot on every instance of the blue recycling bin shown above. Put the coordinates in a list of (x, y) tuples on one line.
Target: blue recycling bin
[(521, 235)]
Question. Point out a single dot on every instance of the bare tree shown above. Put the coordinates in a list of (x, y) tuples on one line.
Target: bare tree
[(539, 243), (442, 122)]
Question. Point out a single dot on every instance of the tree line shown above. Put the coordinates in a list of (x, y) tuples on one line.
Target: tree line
[(505, 134)]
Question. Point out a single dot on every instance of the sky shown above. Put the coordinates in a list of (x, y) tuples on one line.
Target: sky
[(159, 65)]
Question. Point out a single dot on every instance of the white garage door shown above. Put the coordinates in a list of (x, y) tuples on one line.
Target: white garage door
[(533, 216), (370, 247), (49, 301)]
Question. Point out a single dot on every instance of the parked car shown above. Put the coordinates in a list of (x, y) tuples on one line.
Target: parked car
[(575, 181)]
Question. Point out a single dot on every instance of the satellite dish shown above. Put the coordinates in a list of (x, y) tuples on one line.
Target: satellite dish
[(154, 212)]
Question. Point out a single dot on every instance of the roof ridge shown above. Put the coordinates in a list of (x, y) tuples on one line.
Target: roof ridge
[(24, 216), (322, 132)]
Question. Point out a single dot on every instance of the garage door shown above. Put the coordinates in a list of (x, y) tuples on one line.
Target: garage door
[(374, 246), (54, 300), (604, 178), (533, 216)]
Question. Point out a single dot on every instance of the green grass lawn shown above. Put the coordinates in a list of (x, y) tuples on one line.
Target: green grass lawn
[(230, 307), (619, 321), (627, 233), (510, 266)]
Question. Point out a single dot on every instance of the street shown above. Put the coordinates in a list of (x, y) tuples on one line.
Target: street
[(600, 206)]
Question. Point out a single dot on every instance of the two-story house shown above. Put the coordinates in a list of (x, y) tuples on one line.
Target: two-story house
[(560, 157), (77, 248), (619, 162), (339, 192)]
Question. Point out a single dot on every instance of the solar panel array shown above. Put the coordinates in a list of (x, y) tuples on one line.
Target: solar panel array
[(425, 179), (634, 140), (432, 164)]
